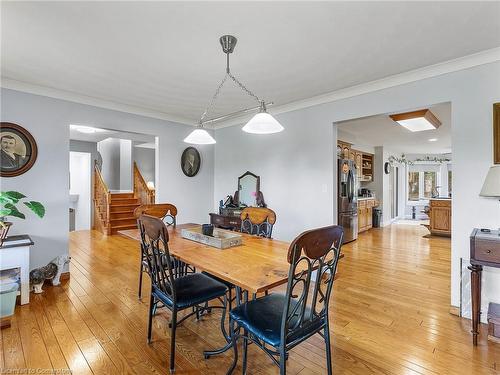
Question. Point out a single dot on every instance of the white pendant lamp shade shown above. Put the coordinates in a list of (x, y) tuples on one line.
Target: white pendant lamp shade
[(199, 136), (262, 123)]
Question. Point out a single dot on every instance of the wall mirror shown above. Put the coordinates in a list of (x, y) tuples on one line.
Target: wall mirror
[(249, 189)]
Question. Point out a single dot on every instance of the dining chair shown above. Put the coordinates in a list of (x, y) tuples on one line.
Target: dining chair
[(167, 212), (258, 221), (278, 322), (173, 289)]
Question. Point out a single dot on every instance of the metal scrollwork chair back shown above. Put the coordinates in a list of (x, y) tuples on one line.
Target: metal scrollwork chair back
[(258, 221), (170, 286), (302, 311), (154, 240), (167, 212), (307, 299)]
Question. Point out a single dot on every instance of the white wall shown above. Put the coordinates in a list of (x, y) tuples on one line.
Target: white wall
[(126, 164), (90, 147), (109, 149), (295, 169), (84, 146), (145, 159), (294, 164), (48, 181), (80, 168)]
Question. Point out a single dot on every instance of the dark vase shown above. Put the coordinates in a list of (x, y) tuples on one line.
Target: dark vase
[(207, 229)]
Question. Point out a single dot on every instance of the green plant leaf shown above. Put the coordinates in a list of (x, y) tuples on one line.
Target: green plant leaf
[(15, 196), (36, 207), (5, 198), (5, 212), (16, 213), (10, 206)]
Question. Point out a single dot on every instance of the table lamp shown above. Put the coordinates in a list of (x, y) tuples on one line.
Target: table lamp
[(491, 185)]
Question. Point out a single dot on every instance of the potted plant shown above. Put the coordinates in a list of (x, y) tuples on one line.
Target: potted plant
[(8, 201)]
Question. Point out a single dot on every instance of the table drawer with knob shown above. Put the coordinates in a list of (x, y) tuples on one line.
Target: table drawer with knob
[(486, 251)]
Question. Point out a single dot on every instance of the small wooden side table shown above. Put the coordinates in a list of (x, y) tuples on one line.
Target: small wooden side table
[(484, 251), (15, 253)]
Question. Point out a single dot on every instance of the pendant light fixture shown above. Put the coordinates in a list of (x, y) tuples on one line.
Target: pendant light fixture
[(261, 123)]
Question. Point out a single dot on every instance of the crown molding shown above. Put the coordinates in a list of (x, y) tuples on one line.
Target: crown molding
[(466, 62), (88, 100), (450, 66)]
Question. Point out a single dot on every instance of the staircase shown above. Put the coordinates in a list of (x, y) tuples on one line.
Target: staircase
[(115, 211), (121, 211)]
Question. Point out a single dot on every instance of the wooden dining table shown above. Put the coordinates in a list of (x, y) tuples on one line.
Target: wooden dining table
[(256, 266)]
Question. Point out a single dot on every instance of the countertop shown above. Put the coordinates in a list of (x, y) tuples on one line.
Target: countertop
[(365, 198), (440, 199)]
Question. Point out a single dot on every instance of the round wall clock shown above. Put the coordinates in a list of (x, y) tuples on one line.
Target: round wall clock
[(190, 162), (18, 150), (387, 167)]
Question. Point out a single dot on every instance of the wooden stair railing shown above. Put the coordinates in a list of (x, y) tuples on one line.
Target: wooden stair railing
[(142, 192), (102, 201)]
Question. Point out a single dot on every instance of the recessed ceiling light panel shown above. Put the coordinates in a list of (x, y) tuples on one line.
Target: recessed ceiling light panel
[(86, 129), (417, 121), (433, 139)]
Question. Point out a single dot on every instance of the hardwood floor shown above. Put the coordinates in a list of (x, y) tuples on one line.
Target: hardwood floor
[(389, 315)]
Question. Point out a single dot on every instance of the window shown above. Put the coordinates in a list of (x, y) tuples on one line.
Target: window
[(413, 186), (422, 183), (429, 184)]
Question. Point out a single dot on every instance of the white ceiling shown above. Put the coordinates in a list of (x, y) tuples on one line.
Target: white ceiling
[(139, 139), (165, 56), (381, 130)]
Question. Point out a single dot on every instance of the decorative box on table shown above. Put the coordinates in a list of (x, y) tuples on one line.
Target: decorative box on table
[(221, 239)]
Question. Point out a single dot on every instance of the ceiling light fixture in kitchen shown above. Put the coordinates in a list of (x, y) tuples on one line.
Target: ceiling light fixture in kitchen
[(86, 129), (261, 123), (417, 121)]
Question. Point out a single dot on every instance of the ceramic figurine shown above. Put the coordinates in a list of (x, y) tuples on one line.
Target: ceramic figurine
[(51, 271)]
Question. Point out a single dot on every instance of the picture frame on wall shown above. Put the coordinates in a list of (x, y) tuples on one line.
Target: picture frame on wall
[(18, 150), (190, 162), (496, 133)]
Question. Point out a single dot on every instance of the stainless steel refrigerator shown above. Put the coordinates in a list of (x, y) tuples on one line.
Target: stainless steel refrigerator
[(348, 199)]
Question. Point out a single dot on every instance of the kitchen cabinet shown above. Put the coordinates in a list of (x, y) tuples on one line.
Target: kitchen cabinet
[(440, 217), (363, 160), (367, 167), (365, 212), (343, 150)]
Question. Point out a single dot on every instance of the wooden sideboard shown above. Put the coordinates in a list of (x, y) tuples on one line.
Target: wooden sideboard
[(225, 221), (365, 213), (440, 217), (484, 251)]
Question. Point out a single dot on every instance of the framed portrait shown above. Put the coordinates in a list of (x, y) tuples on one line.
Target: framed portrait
[(190, 162), (496, 133), (18, 150)]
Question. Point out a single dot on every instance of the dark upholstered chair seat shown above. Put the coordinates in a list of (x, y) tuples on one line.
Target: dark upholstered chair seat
[(262, 317), (191, 290), (225, 282)]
